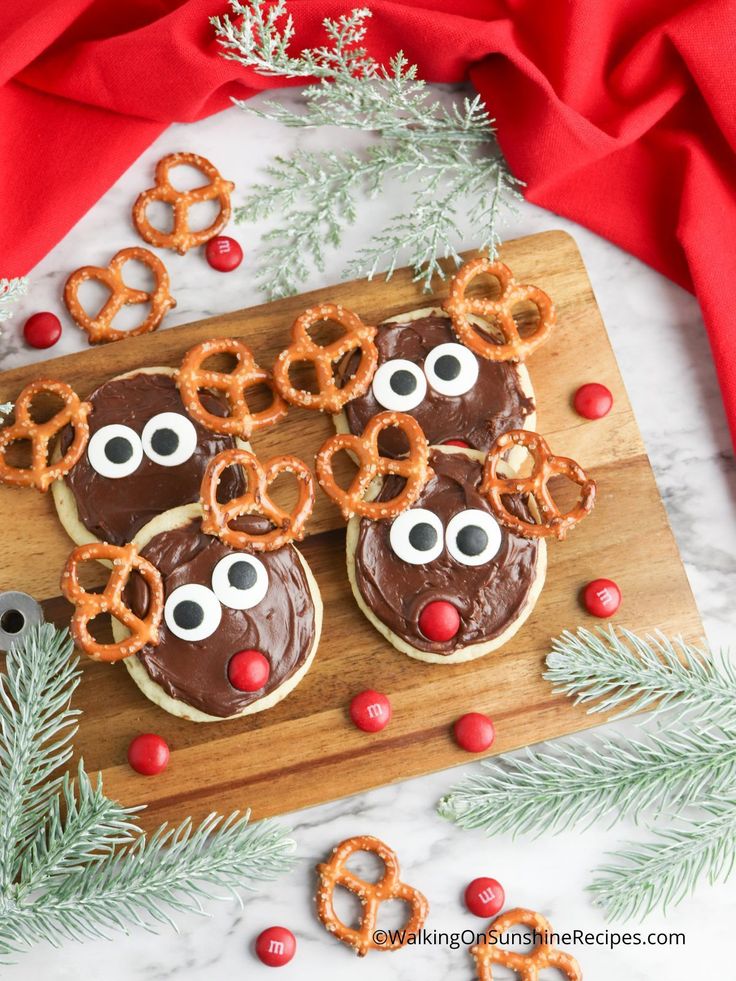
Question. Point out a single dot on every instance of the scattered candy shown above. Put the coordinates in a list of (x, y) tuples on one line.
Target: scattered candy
[(248, 670), (602, 597), (148, 754), (370, 710), (457, 442), (484, 897), (42, 330), (439, 621), (223, 253), (474, 732), (276, 946), (593, 401)]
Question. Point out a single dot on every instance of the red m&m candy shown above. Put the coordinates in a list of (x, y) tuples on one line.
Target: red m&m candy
[(474, 732), (223, 253), (370, 710), (602, 597), (148, 754), (457, 442), (248, 670), (484, 896), (276, 946), (42, 330), (439, 621), (593, 401)]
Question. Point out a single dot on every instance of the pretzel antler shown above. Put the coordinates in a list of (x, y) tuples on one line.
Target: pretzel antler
[(414, 468), (287, 526), (526, 966), (500, 311), (41, 474), (125, 560), (546, 465)]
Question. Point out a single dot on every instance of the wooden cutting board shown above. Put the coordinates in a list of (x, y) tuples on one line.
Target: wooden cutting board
[(305, 751)]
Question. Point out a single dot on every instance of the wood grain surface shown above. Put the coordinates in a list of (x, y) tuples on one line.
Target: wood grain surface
[(305, 751)]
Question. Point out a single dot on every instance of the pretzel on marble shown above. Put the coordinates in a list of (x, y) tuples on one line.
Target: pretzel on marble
[(414, 468), (357, 337), (499, 311), (545, 465), (99, 328), (192, 378), (526, 966), (334, 872), (125, 560), (41, 474), (287, 525), (181, 237)]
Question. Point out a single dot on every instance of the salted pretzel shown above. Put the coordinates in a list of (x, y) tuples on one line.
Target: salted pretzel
[(41, 474), (357, 337), (499, 311), (334, 872), (125, 560), (181, 237), (414, 468), (545, 465), (99, 328), (526, 966), (192, 378), (287, 526)]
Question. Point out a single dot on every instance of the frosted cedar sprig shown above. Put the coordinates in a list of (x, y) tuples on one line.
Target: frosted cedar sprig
[(11, 290), (451, 153)]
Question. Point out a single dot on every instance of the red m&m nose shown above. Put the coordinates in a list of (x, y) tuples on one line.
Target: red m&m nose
[(248, 670), (439, 620), (457, 442)]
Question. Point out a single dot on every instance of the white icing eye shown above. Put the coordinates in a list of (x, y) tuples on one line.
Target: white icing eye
[(451, 369), (192, 612), (399, 385), (417, 536), (115, 451), (169, 439), (473, 537), (240, 581)]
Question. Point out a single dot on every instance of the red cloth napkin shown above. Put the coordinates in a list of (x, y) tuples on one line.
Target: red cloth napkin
[(618, 115)]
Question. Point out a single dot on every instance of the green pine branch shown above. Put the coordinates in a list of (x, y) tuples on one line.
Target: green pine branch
[(11, 290)]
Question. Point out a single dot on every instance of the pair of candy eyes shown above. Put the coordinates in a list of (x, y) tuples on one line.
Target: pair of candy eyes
[(193, 611), (472, 537), (400, 385), (117, 451)]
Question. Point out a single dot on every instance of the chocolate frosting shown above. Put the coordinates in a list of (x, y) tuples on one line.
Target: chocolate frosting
[(488, 597), (281, 626), (495, 404), (116, 509)]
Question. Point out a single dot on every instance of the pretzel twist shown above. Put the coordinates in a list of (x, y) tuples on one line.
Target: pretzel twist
[(357, 336), (545, 465), (192, 378), (181, 237), (500, 311), (125, 559), (371, 894), (41, 474), (287, 526), (414, 468), (99, 328), (526, 966)]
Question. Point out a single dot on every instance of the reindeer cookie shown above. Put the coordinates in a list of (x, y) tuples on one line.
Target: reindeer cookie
[(207, 630), (446, 547)]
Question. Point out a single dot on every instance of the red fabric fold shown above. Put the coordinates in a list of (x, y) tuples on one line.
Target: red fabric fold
[(620, 116)]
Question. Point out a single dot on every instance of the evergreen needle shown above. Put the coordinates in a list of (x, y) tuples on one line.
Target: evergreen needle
[(11, 290)]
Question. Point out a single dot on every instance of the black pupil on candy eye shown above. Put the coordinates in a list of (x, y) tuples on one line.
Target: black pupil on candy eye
[(472, 540), (447, 367), (242, 575), (165, 442), (423, 537), (118, 450), (403, 382), (188, 615)]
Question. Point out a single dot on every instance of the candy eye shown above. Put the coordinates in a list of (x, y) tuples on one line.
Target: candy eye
[(417, 536), (169, 439), (399, 385), (115, 451), (451, 369), (240, 581), (192, 612), (473, 537)]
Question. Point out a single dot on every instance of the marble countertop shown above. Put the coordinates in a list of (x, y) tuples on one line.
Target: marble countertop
[(658, 336)]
